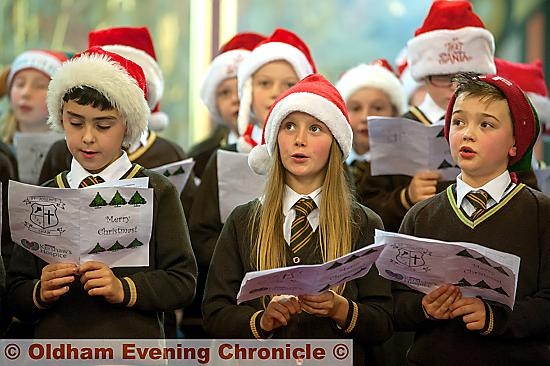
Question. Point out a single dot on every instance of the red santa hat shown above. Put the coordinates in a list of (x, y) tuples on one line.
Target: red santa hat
[(120, 80), (379, 75), (136, 44), (524, 119), (530, 78), (315, 96), (44, 61), (224, 66), (452, 39), (281, 45)]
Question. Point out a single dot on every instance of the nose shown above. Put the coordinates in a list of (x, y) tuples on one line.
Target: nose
[(300, 137), (88, 135), (468, 133)]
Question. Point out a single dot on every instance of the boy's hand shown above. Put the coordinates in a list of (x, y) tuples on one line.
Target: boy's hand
[(472, 311), (279, 311), (423, 186), (99, 280), (328, 304), (54, 280), (437, 303)]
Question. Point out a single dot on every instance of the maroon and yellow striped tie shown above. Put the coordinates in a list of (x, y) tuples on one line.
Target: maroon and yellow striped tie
[(301, 231), (90, 181), (479, 200)]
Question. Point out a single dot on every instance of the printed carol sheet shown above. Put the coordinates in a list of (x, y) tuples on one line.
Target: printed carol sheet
[(404, 146), (178, 172), (424, 264), (107, 224), (308, 279)]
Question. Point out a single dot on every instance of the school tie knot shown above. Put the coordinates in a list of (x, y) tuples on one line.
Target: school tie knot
[(301, 231), (90, 180), (478, 199), (304, 206)]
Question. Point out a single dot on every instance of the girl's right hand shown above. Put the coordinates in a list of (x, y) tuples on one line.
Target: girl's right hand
[(437, 303), (423, 185), (279, 311), (54, 280)]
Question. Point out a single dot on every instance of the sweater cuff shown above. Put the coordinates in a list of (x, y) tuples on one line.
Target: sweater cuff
[(36, 297), (405, 199), (130, 292), (351, 319), (256, 328), (489, 319)]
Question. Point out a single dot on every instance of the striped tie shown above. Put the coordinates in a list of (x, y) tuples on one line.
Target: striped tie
[(301, 231), (90, 181), (358, 168), (479, 200)]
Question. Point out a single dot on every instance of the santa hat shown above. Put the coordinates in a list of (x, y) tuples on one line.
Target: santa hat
[(530, 78), (315, 96), (524, 119), (452, 39), (45, 61), (377, 75), (224, 66), (136, 44), (119, 80), (281, 45)]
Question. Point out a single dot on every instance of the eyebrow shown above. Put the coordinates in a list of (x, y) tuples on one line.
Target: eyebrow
[(101, 118)]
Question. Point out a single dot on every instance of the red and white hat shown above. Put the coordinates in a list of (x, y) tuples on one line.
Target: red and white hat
[(524, 119), (120, 80), (45, 61), (136, 44), (315, 96), (281, 45), (452, 39), (224, 66), (530, 78), (377, 75)]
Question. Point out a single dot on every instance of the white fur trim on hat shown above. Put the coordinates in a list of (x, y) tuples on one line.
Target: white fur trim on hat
[(444, 51), (34, 59), (153, 73), (312, 104), (222, 67), (542, 106), (373, 76), (108, 77)]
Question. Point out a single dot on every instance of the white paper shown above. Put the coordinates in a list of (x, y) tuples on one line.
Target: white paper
[(308, 279), (237, 183), (404, 146), (110, 224), (543, 180), (424, 264), (178, 173), (31, 150)]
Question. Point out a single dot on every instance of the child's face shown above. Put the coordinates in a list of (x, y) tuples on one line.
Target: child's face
[(481, 138), (268, 82), (94, 137), (440, 88), (28, 100), (304, 148), (227, 101), (361, 104)]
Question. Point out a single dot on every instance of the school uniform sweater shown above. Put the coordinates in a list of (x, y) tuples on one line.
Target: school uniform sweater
[(519, 225), (168, 282), (231, 260)]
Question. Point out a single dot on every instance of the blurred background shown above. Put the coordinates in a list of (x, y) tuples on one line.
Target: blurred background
[(187, 34)]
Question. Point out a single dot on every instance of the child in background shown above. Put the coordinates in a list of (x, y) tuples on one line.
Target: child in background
[(99, 100), (491, 128), (219, 92), (307, 137), (369, 90)]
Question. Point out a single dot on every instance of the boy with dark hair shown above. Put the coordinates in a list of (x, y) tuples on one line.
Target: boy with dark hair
[(99, 100), (491, 128)]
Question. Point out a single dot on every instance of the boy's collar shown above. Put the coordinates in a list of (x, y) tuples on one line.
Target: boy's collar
[(495, 187), (432, 110), (113, 171)]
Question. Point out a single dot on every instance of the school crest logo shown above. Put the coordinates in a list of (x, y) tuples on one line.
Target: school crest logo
[(410, 258), (44, 215)]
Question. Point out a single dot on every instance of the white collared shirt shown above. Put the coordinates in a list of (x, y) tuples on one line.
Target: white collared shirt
[(432, 111), (232, 137), (496, 188), (139, 143), (113, 171), (289, 200), (354, 156)]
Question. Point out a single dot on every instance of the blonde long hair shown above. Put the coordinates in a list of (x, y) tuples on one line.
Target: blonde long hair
[(335, 218), (8, 122)]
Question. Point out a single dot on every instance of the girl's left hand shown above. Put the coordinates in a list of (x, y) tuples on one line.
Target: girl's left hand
[(99, 280), (328, 304), (472, 311)]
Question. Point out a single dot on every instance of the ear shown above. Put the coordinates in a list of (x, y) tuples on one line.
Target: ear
[(513, 151)]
